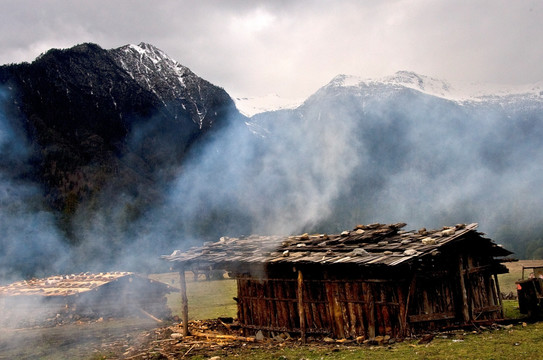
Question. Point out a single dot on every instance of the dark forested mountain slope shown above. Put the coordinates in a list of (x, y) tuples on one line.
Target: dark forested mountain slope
[(101, 123)]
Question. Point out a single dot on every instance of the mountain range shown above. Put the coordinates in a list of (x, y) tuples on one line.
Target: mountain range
[(111, 158)]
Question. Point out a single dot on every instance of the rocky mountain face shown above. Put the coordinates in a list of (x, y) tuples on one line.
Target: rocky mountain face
[(101, 123)]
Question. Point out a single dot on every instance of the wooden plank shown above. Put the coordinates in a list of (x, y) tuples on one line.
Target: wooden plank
[(313, 307), (487, 309), (262, 304), (410, 294), (338, 312), (370, 310), (385, 313), (334, 310), (282, 313), (402, 312), (351, 310), (284, 329), (301, 307)]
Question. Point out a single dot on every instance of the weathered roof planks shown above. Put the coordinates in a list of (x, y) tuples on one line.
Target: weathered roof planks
[(374, 244)]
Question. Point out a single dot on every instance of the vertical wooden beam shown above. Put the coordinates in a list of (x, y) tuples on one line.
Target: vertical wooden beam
[(184, 301), (301, 307), (463, 291)]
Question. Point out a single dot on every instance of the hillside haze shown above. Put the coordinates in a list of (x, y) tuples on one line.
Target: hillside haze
[(112, 158), (99, 133)]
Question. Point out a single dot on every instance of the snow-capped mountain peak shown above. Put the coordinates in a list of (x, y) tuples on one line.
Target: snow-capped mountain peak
[(250, 106), (155, 54), (457, 91), (151, 59), (406, 79), (174, 84)]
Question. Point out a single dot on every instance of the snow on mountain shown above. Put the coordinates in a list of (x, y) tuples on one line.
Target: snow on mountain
[(174, 84), (456, 91), (145, 62), (250, 106)]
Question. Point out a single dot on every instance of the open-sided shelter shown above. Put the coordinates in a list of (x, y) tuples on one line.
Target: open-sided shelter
[(374, 280), (86, 295)]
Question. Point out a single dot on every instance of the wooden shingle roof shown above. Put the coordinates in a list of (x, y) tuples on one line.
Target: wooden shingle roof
[(366, 245), (63, 285)]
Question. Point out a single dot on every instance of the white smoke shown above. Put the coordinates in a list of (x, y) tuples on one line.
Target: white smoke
[(30, 238)]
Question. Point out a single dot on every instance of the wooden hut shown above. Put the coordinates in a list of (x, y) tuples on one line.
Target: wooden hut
[(62, 298), (374, 280)]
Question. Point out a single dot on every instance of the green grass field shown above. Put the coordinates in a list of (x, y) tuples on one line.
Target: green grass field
[(208, 299), (517, 342)]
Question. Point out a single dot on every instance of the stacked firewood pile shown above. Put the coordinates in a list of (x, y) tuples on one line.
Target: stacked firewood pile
[(206, 336)]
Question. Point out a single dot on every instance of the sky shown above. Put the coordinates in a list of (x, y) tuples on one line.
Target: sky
[(292, 48)]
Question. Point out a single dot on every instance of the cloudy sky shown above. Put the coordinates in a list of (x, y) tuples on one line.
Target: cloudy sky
[(291, 48)]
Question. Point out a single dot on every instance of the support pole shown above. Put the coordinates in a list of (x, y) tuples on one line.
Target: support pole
[(184, 301), (301, 308)]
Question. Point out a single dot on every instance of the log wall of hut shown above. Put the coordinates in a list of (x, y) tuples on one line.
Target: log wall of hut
[(456, 289), (340, 307), (431, 296)]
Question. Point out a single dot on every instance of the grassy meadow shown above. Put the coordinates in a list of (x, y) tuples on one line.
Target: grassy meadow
[(208, 299)]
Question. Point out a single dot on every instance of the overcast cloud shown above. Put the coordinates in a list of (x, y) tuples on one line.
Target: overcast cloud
[(292, 48)]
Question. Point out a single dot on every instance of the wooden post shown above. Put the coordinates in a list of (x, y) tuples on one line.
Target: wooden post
[(301, 308), (464, 293), (184, 301)]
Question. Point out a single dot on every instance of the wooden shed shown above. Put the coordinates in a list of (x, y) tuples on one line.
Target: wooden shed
[(374, 280), (62, 298)]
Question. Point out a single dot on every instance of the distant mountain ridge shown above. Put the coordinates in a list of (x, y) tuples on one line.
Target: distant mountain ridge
[(454, 91), (414, 149), (440, 88)]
